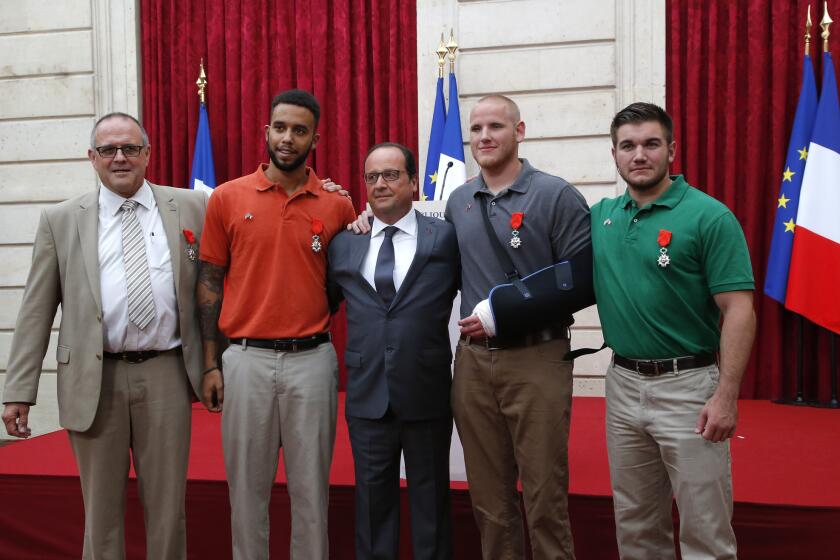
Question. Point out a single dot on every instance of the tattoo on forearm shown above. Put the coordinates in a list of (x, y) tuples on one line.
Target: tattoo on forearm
[(209, 298)]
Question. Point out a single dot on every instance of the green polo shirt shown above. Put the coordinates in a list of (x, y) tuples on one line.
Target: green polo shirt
[(649, 311)]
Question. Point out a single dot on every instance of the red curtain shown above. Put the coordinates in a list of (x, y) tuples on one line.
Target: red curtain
[(358, 57), (733, 78)]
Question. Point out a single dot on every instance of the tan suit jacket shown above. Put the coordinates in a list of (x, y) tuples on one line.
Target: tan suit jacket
[(65, 270)]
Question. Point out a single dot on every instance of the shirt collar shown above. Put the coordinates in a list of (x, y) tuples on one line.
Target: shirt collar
[(112, 202), (312, 185), (520, 185), (670, 198), (407, 224)]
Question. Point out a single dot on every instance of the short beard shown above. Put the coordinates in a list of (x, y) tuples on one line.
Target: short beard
[(647, 185), (287, 167)]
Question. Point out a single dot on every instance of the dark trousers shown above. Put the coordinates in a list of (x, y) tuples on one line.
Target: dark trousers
[(513, 408), (376, 453)]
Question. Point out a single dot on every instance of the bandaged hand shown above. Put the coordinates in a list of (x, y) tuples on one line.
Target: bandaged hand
[(485, 315)]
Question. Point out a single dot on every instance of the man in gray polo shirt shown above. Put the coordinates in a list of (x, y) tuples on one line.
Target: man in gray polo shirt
[(512, 398)]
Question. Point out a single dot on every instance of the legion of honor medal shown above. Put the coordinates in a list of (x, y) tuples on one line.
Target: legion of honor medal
[(317, 230), (515, 224), (664, 240), (189, 236)]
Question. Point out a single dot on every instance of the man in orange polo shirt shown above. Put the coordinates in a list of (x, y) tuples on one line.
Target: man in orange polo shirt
[(265, 240)]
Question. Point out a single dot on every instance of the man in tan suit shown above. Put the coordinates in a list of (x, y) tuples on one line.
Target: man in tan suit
[(122, 262)]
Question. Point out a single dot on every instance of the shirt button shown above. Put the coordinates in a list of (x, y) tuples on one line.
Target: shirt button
[(635, 220), (493, 203)]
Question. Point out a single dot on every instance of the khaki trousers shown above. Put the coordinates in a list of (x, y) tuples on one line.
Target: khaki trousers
[(655, 455), (273, 400), (144, 408), (512, 408)]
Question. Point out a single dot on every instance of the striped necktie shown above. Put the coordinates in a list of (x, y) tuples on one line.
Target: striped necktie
[(141, 301)]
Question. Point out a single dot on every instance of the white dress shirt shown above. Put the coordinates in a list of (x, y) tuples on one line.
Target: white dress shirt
[(405, 245), (119, 334)]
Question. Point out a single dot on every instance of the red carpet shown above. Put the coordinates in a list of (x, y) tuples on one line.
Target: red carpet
[(785, 465)]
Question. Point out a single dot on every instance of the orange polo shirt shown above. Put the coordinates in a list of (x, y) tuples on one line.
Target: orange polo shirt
[(276, 283)]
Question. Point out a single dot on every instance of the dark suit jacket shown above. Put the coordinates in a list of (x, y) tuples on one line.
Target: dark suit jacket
[(398, 355)]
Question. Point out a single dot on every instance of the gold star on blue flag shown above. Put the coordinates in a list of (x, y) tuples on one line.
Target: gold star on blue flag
[(778, 262), (435, 140)]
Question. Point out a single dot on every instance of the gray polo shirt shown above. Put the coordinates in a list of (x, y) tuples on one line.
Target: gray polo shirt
[(555, 227)]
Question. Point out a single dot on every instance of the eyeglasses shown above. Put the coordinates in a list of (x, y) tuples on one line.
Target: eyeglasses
[(129, 150), (390, 175)]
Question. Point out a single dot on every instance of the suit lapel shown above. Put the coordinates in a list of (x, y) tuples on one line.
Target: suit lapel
[(87, 220), (426, 233), (357, 258), (169, 216)]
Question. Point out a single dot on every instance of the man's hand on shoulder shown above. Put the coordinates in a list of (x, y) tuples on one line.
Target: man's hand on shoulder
[(329, 186), (718, 418), (16, 420), (362, 223)]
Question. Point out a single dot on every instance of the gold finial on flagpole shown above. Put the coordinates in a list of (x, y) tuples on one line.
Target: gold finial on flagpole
[(808, 25), (826, 21), (441, 54), (201, 82), (451, 47)]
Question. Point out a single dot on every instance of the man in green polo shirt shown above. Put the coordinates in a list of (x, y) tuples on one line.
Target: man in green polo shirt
[(670, 261)]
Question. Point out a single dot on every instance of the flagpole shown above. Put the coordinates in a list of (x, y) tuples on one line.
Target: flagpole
[(800, 321), (202, 172), (833, 402), (436, 129), (825, 23), (451, 47), (832, 371), (201, 82), (441, 54), (778, 265), (800, 364)]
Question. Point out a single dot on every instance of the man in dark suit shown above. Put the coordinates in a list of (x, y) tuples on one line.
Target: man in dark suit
[(399, 281)]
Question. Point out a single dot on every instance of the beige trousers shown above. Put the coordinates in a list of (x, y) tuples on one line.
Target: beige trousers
[(275, 399), (144, 408), (655, 456), (512, 408)]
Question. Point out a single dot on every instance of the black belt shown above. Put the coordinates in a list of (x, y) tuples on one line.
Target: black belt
[(284, 344), (529, 339), (139, 356), (652, 368)]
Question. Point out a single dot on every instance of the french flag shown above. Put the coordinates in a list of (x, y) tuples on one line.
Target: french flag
[(814, 277)]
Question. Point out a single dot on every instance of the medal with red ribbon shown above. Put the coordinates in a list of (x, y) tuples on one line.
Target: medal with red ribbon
[(516, 223), (189, 236), (664, 240), (317, 230)]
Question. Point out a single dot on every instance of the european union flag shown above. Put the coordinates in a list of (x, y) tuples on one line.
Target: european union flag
[(435, 139), (452, 171), (778, 262), (203, 177)]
